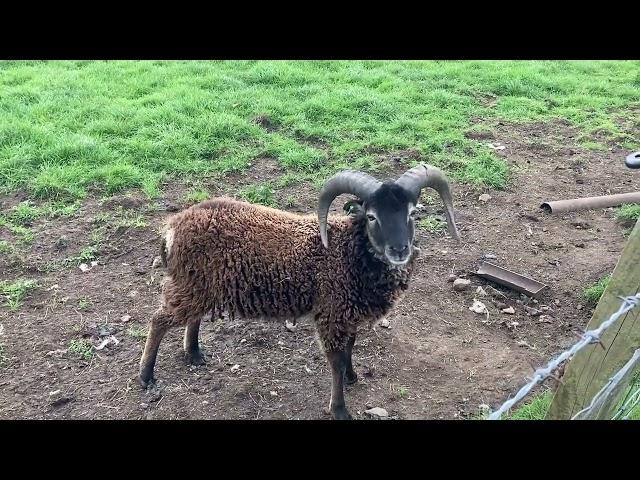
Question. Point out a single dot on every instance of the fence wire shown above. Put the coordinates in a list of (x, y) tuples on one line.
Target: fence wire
[(588, 338)]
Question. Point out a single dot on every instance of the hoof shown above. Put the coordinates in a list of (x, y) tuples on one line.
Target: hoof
[(194, 358), (350, 379), (145, 383), (341, 414)]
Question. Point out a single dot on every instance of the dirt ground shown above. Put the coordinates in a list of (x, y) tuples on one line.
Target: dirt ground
[(438, 360)]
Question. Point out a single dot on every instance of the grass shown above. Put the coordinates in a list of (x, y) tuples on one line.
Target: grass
[(260, 193), (197, 195), (19, 219), (629, 212), (403, 392), (432, 224), (82, 347), (537, 407), (6, 247), (68, 127), (593, 292), (137, 332), (84, 302), (15, 292)]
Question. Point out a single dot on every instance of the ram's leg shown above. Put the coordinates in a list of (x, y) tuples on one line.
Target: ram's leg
[(350, 375), (338, 362), (192, 353), (160, 323)]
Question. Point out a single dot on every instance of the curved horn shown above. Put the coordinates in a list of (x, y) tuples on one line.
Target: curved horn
[(359, 184), (424, 176)]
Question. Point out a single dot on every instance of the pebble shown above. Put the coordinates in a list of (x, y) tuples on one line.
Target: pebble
[(508, 310), (485, 197), (385, 323), (461, 284)]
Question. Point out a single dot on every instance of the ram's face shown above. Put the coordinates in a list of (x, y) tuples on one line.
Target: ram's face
[(390, 223)]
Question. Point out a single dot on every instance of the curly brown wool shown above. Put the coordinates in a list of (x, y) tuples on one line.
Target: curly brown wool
[(251, 261)]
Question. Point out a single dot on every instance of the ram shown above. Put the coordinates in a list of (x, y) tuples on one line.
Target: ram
[(250, 261)]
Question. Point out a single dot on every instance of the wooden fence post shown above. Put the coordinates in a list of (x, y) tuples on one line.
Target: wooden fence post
[(590, 369)]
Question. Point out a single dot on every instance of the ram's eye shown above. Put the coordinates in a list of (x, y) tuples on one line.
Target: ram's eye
[(371, 218)]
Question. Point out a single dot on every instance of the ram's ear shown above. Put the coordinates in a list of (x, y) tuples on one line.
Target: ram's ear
[(353, 207)]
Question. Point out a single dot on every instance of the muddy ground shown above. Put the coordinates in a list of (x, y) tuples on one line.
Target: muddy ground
[(438, 360)]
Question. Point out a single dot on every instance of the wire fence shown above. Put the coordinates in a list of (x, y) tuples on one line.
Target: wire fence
[(588, 338)]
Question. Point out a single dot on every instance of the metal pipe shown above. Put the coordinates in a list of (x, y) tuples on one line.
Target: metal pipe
[(591, 202), (633, 160)]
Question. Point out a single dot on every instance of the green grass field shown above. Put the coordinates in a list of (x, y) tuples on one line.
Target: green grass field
[(68, 126)]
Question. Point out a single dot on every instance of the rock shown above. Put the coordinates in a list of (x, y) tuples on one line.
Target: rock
[(171, 207), (61, 400), (157, 262), (125, 318), (501, 305), (126, 202), (273, 393), (139, 270), (235, 368), (484, 198), (290, 326), (579, 307), (384, 323), (84, 267), (61, 243), (452, 278), (489, 256), (377, 412), (481, 291), (508, 310), (461, 284), (533, 312), (478, 307), (94, 263)]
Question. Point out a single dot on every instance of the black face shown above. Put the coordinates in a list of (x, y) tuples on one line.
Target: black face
[(390, 223)]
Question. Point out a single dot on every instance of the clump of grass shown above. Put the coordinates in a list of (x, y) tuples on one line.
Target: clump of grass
[(629, 212), (130, 218), (593, 292), (87, 254), (261, 193), (432, 224), (15, 292), (24, 234), (137, 332), (6, 247), (84, 302), (82, 347), (403, 392), (197, 196), (290, 201), (536, 409)]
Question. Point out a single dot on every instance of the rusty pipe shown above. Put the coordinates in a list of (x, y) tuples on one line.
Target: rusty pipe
[(589, 203)]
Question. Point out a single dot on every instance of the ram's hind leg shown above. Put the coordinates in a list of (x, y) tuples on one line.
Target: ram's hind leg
[(160, 323), (350, 375), (192, 353)]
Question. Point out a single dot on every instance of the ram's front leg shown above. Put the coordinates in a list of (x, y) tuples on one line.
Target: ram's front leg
[(337, 407)]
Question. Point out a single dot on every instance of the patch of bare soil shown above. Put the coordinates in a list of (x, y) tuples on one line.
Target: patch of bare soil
[(437, 360)]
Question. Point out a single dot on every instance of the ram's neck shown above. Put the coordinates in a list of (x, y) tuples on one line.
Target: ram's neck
[(380, 284)]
